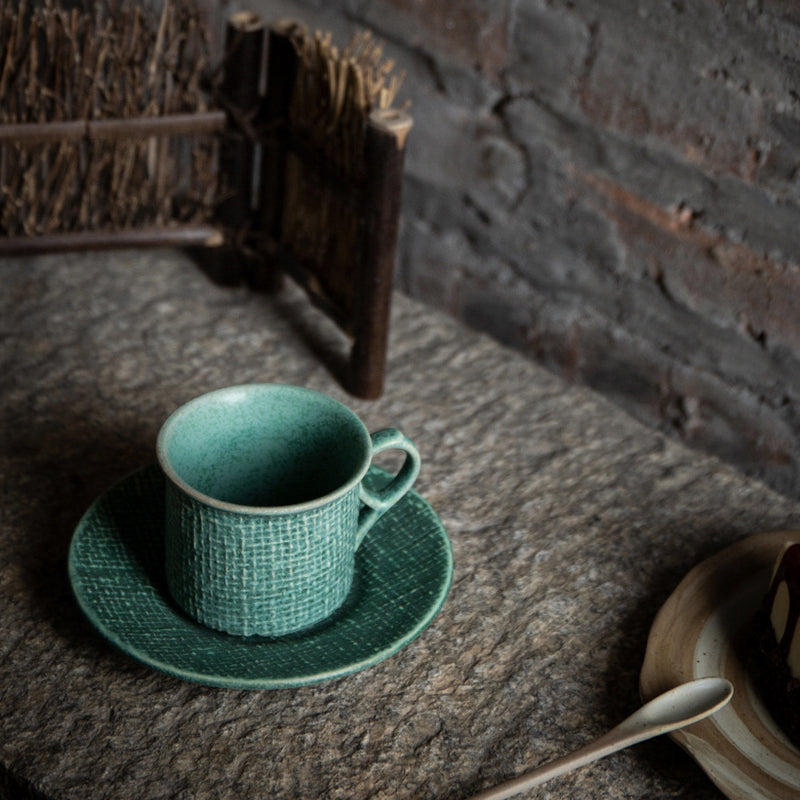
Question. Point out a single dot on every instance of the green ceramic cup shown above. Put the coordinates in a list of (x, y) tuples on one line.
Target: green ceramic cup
[(266, 507)]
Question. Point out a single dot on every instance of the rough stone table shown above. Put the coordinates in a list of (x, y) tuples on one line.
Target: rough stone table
[(570, 525)]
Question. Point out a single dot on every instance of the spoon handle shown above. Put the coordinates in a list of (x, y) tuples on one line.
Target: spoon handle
[(608, 743), (681, 706)]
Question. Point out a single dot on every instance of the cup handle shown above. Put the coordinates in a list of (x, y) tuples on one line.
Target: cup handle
[(376, 504)]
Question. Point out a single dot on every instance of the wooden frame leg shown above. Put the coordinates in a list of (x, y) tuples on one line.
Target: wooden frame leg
[(387, 131)]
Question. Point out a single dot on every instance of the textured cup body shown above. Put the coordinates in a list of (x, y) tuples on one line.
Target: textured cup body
[(269, 575)]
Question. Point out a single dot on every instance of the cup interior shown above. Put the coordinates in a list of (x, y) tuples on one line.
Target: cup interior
[(264, 446)]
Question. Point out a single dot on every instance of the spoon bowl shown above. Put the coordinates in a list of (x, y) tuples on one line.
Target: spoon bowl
[(684, 705)]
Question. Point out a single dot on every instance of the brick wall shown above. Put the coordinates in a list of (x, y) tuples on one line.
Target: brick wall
[(612, 188)]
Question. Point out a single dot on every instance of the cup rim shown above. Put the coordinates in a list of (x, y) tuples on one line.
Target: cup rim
[(167, 428)]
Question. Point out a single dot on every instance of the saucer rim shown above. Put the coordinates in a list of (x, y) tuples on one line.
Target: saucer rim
[(304, 678)]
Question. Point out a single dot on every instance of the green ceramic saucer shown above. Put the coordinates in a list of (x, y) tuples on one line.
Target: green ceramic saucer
[(403, 573)]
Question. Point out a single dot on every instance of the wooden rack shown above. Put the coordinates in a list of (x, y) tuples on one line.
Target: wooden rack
[(281, 200)]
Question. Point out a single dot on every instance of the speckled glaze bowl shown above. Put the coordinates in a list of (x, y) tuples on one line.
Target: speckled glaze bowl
[(266, 507)]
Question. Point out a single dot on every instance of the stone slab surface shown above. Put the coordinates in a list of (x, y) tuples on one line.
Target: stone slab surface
[(570, 522)]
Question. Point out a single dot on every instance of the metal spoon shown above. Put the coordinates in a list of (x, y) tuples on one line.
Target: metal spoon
[(674, 709)]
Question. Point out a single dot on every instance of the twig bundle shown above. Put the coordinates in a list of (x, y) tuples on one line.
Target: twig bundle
[(109, 60), (334, 93)]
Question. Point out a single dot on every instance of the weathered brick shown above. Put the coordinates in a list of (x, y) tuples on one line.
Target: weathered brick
[(549, 51), (738, 209), (720, 280), (701, 81), (470, 31), (683, 401)]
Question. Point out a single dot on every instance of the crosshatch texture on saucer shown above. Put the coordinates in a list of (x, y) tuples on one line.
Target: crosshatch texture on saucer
[(403, 573)]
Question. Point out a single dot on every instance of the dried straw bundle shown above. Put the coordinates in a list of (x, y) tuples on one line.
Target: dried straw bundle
[(111, 60), (333, 95)]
